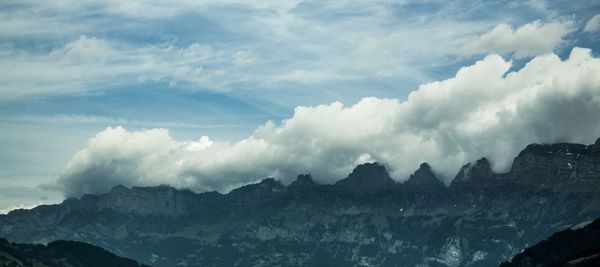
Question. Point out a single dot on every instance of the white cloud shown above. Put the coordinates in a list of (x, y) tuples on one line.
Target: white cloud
[(528, 40), (483, 111), (83, 50), (257, 44), (593, 25), (89, 64)]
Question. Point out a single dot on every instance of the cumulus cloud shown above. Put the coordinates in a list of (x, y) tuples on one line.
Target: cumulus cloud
[(593, 25), (484, 110), (528, 40)]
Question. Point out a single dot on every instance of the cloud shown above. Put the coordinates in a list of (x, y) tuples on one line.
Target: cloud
[(593, 25), (233, 45), (484, 110), (531, 39), (19, 206), (90, 64)]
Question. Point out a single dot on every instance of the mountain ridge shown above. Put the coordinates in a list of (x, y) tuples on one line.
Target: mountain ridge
[(479, 220)]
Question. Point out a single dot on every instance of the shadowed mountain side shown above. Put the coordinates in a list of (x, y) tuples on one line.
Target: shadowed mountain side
[(59, 254), (572, 247)]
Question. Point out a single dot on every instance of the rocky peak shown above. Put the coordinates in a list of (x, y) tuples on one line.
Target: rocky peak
[(424, 176), (303, 180), (469, 172), (367, 178)]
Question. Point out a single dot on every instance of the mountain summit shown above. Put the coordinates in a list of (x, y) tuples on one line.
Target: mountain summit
[(424, 176), (367, 178)]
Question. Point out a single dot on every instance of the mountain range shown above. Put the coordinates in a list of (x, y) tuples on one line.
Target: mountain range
[(366, 219)]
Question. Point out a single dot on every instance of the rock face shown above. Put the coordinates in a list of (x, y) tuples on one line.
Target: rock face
[(59, 254), (544, 163), (161, 200), (365, 219), (572, 247)]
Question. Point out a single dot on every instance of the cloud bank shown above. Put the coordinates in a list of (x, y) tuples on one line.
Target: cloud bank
[(531, 39), (485, 110)]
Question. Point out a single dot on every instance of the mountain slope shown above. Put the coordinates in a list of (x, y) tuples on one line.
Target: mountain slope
[(59, 254), (571, 247), (366, 219)]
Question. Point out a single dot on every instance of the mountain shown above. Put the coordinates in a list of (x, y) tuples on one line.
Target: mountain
[(365, 219), (59, 254), (579, 246), (367, 178), (424, 176)]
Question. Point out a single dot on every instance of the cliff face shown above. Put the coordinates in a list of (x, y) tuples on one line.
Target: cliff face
[(162, 200), (365, 219), (562, 164)]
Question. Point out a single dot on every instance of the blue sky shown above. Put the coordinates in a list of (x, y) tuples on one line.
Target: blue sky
[(70, 69)]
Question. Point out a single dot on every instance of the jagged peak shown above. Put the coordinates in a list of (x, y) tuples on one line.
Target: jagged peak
[(303, 180), (370, 171), (473, 171), (482, 162), (425, 166), (367, 177), (424, 176)]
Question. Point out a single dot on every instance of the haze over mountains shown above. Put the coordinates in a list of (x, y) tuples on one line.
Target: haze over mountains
[(366, 219)]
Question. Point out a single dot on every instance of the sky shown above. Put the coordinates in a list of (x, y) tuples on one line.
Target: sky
[(211, 95)]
